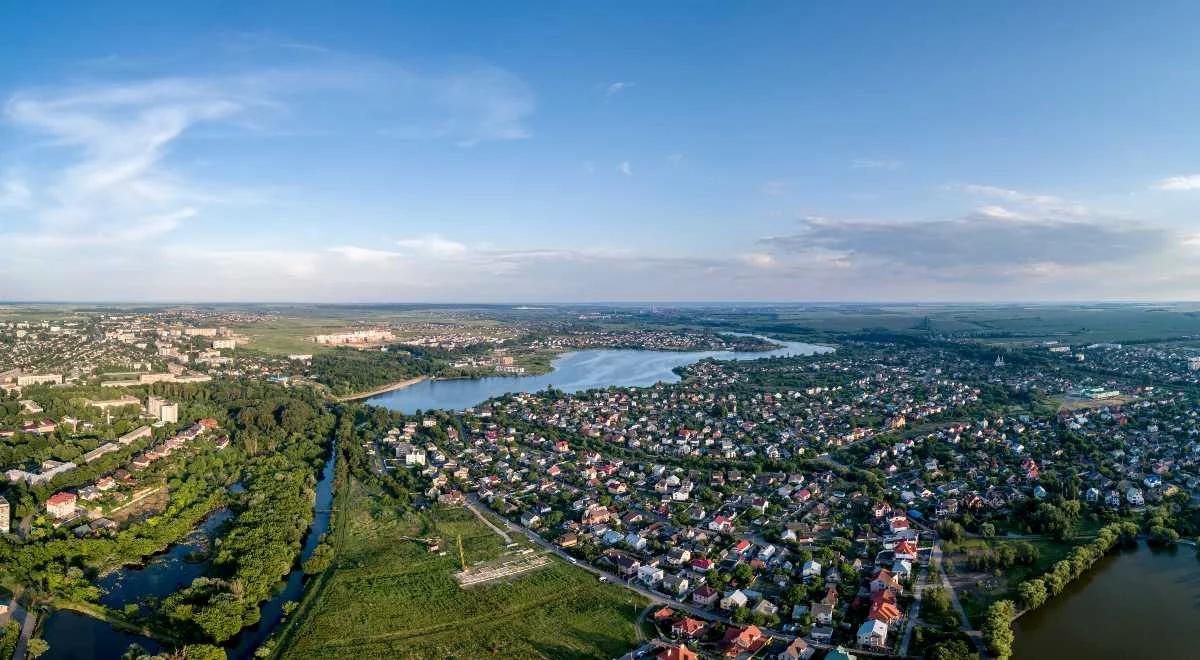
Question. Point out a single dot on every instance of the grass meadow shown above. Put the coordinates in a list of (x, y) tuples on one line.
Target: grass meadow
[(389, 597)]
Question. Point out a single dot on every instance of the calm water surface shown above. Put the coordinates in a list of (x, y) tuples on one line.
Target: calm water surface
[(76, 637), (573, 372), (1139, 603)]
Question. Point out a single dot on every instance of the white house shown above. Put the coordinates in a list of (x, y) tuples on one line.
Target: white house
[(872, 634), (811, 569), (650, 575), (734, 599)]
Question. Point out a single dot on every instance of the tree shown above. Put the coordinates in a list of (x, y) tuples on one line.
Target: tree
[(935, 603), (997, 628), (1032, 593), (203, 652), (36, 647), (951, 649)]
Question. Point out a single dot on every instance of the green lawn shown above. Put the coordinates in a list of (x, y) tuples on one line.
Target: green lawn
[(976, 600), (388, 597)]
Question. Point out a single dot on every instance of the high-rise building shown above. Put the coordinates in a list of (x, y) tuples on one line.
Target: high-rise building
[(154, 405), (165, 411), (5, 516), (169, 412)]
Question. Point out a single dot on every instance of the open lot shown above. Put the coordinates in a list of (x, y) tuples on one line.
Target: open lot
[(388, 597)]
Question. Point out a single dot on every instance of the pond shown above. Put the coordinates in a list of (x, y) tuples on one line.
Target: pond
[(77, 637), (573, 372), (1137, 603)]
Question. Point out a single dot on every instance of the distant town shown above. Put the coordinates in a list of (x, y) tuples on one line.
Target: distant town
[(908, 493)]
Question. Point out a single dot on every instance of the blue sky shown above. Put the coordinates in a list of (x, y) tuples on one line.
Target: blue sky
[(610, 151)]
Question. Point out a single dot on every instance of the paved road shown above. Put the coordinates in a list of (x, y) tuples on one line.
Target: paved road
[(28, 623), (699, 612), (914, 612), (677, 605)]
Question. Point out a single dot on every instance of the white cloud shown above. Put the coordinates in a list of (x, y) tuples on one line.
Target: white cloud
[(675, 159), (114, 186), (360, 255), (14, 193), (1178, 183), (100, 154), (1000, 213), (760, 260), (433, 245), (625, 168), (1029, 203), (616, 88)]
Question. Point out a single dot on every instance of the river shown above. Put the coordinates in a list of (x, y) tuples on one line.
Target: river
[(1138, 603), (573, 372), (77, 637)]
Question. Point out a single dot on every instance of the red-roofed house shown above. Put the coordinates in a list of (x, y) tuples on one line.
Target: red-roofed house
[(885, 581), (680, 652), (743, 640), (61, 505), (906, 550), (687, 628)]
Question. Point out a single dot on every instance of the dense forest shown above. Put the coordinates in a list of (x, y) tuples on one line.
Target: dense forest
[(348, 370)]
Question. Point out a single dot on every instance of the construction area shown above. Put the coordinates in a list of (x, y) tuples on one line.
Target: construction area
[(515, 564)]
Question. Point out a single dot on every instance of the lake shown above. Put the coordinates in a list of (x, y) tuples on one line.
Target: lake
[(1141, 603), (573, 372), (77, 637)]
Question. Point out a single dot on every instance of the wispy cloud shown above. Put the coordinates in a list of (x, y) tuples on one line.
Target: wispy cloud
[(99, 167), (1178, 183), (114, 186), (1036, 204), (624, 167), (615, 88), (876, 164), (775, 188), (433, 245), (14, 192), (480, 104)]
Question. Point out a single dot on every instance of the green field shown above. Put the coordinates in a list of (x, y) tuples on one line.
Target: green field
[(387, 597), (990, 587)]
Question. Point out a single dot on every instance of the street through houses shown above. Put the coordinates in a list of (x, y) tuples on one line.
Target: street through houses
[(914, 613), (473, 502)]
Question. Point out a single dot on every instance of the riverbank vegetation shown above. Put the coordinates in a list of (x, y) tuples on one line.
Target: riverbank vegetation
[(1034, 592), (262, 542), (279, 442)]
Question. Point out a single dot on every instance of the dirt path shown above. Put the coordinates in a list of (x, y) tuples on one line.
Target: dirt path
[(474, 507), (965, 622)]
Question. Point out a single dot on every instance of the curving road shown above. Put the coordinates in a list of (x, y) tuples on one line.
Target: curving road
[(477, 506)]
